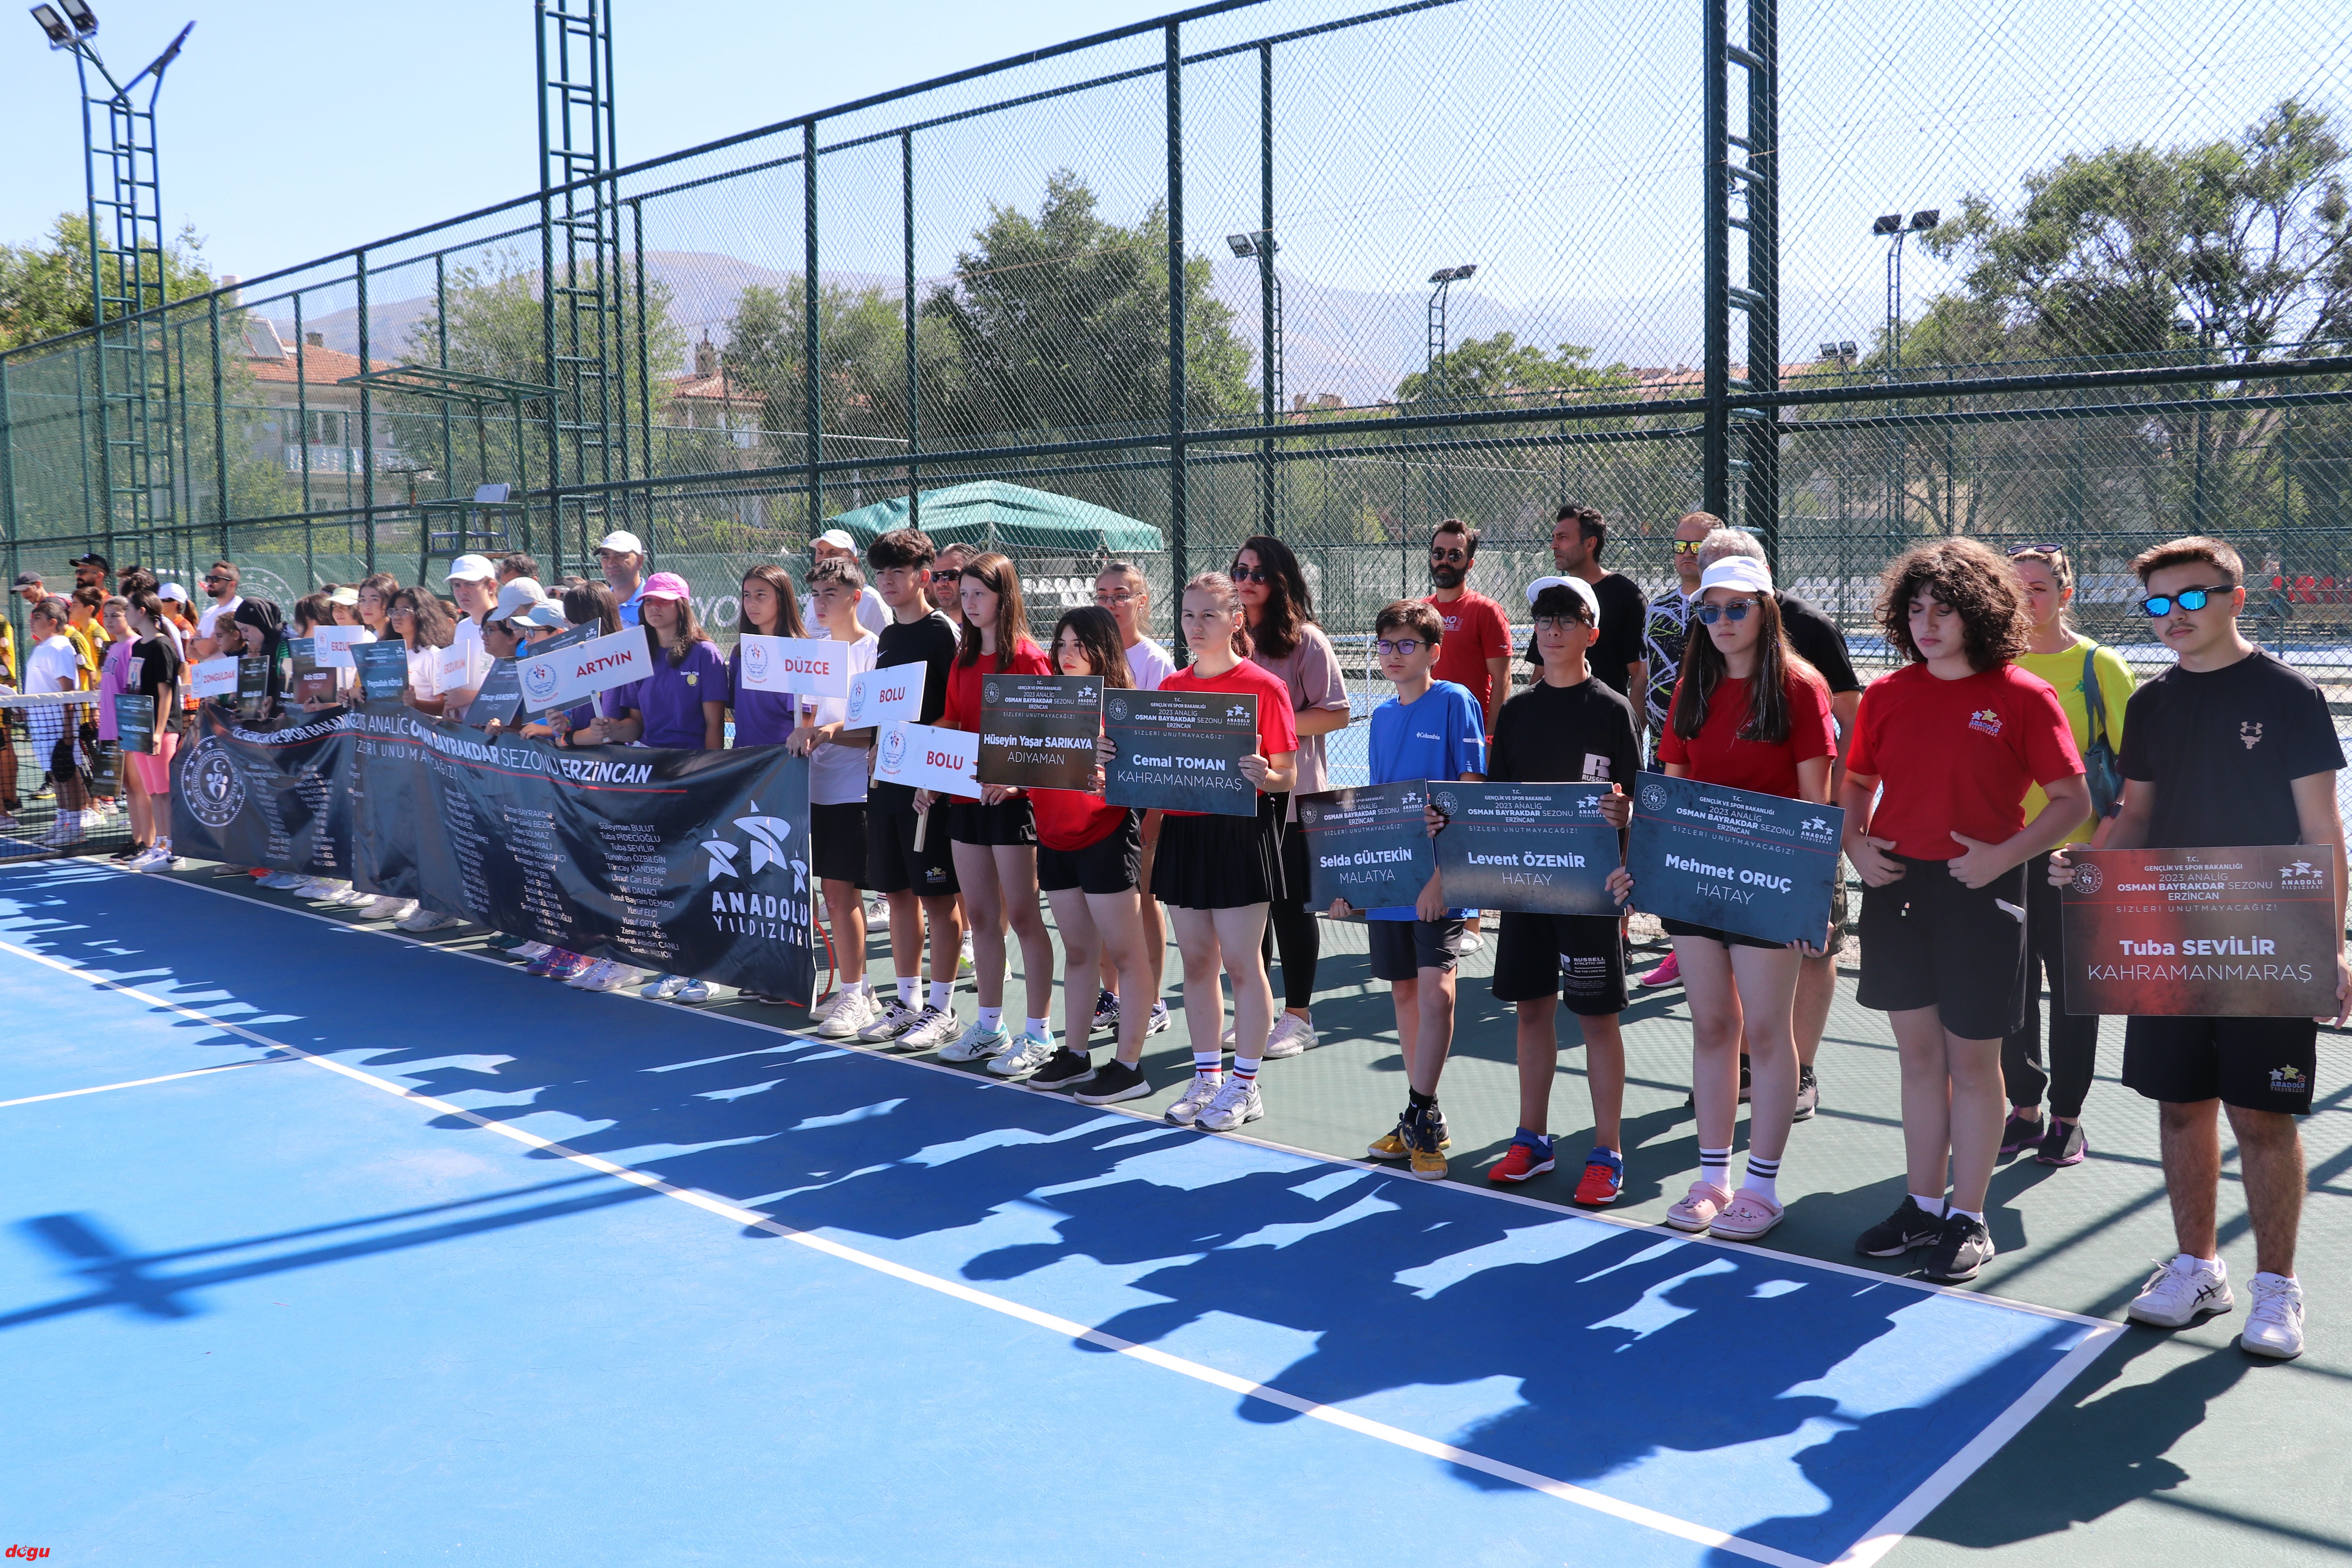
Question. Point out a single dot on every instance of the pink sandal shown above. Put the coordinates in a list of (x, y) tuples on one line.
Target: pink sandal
[(1750, 1217), (1698, 1208)]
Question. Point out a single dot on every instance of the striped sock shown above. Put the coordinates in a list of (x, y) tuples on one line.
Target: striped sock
[(1715, 1165), (1206, 1064), (1763, 1178), (1245, 1068)]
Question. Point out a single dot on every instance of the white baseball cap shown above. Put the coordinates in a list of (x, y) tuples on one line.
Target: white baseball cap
[(1579, 586), (472, 568), (520, 594), (837, 537), (622, 541), (1738, 571), (547, 614), (173, 591)]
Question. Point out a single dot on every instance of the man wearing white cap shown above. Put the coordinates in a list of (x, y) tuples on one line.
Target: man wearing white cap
[(623, 559), (474, 584), (836, 544)]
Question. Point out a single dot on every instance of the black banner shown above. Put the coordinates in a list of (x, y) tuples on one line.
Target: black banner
[(1759, 865), (134, 722), (1181, 751), (1038, 732), (384, 669), (499, 697), (1541, 849), (1369, 845), (689, 862)]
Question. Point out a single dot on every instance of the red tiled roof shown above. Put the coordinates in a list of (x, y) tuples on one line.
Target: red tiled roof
[(317, 365)]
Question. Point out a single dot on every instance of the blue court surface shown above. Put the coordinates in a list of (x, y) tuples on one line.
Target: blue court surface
[(387, 1253)]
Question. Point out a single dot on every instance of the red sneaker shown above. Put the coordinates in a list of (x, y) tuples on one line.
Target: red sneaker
[(1603, 1179), (1519, 1161)]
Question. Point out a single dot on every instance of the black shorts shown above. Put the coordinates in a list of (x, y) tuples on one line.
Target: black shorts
[(1727, 938), (1008, 821), (1929, 941), (1112, 864), (2254, 1064), (1402, 948), (837, 842), (1217, 862), (893, 864), (1580, 957)]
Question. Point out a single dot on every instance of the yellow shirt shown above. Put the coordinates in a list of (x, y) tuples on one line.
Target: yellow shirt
[(2064, 671)]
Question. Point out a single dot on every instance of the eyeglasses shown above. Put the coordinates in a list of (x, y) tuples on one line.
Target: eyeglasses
[(1687, 546), (1558, 622), (1241, 573), (2158, 605), (1403, 647), (2031, 548), (1437, 554), (1737, 610), (950, 575), (1123, 596)]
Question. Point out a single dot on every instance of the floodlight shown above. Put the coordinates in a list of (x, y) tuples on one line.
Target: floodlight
[(1443, 275), (1923, 221), (171, 52), (1462, 273), (1829, 351), (61, 36), (1845, 349), (1891, 223), (84, 19), (1241, 244)]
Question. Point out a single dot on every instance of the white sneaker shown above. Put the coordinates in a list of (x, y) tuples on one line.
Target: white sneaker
[(529, 950), (977, 1043), (1196, 1096), (933, 1027), (1028, 1054), (421, 919), (1236, 1104), (386, 908), (2178, 1293), (1161, 1021), (851, 1012), (662, 987), (692, 991), (1291, 1034), (1227, 1039), (895, 1019), (147, 859), (963, 958), (62, 834), (602, 975), (1472, 941), (2274, 1325), (825, 1004)]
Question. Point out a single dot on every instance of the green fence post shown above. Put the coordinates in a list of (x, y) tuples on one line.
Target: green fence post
[(914, 420), (367, 417), (1178, 539)]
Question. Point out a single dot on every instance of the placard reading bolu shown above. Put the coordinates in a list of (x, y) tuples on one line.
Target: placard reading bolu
[(2227, 934), (924, 757)]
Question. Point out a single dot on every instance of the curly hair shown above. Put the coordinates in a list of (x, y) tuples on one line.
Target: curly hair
[(1974, 583)]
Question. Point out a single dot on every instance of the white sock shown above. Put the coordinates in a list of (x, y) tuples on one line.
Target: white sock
[(1715, 1165), (1209, 1065), (1039, 1028), (906, 991), (990, 1017), (1933, 1206), (942, 992), (1762, 1178), (1963, 1214)]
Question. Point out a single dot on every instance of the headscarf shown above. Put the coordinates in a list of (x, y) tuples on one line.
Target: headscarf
[(262, 614)]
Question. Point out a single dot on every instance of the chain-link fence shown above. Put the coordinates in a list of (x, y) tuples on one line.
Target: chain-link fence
[(1177, 271)]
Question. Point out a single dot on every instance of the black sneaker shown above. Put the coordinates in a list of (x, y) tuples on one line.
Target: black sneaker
[(1066, 1069), (1909, 1227), (1809, 1095), (1114, 1080), (128, 851), (1964, 1248), (1743, 1080), (2065, 1144)]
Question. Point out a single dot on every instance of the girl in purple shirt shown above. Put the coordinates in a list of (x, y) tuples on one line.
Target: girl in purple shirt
[(771, 609), (682, 705)]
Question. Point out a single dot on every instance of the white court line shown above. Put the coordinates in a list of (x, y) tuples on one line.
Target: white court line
[(138, 1082), (1881, 1539)]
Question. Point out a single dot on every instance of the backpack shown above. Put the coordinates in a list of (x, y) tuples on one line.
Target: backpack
[(2101, 768)]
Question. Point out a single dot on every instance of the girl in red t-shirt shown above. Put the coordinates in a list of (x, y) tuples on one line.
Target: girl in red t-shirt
[(1090, 860), (994, 839), (1216, 874), (1955, 738), (1747, 713)]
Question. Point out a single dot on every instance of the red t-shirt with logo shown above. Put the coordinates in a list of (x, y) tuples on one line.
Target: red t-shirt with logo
[(962, 711), (1475, 631), (1718, 755), (1956, 755), (1277, 726)]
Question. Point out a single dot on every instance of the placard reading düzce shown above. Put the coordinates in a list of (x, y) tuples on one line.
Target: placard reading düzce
[(134, 722), (1541, 848), (1038, 732), (1181, 751), (1369, 845), (1738, 860), (812, 666), (384, 669), (2229, 933)]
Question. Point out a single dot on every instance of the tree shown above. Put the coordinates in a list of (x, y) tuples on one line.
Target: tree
[(1059, 325), (861, 354), (45, 289), (1501, 366)]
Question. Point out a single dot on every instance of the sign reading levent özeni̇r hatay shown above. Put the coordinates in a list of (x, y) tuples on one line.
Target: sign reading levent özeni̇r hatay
[(1181, 751), (1537, 849), (2230, 933)]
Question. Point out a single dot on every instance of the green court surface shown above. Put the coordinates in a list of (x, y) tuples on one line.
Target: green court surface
[(2178, 1447)]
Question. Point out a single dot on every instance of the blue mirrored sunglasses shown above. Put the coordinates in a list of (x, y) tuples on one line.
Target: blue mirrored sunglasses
[(2160, 604), (1737, 610)]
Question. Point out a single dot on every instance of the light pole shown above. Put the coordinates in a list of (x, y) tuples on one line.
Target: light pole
[(1433, 374), (1259, 245), (1892, 226)]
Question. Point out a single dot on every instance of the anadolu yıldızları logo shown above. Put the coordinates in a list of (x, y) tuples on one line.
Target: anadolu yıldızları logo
[(765, 848), (2088, 879), (538, 681), (1814, 827), (2301, 874), (214, 784)]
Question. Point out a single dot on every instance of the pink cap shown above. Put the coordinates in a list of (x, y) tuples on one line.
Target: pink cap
[(664, 586)]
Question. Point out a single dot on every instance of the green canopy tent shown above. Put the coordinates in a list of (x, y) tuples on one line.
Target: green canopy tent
[(991, 514)]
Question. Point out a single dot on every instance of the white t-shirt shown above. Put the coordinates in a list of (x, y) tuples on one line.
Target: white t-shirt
[(425, 672), (1148, 664), (227, 607), (838, 773), (53, 666), (872, 614)]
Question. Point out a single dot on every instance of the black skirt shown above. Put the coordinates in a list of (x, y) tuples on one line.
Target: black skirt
[(1218, 862)]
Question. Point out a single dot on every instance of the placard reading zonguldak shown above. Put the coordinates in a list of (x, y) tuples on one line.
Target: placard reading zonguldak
[(213, 678), (2214, 933), (813, 666), (923, 756), (883, 696)]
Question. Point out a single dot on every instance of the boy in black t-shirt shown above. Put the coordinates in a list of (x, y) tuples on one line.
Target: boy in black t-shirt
[(1568, 727), (2228, 747)]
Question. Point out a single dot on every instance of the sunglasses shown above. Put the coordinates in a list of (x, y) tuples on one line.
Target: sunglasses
[(950, 575), (1402, 647), (1123, 596), (2042, 549), (1437, 554), (209, 580), (1687, 546), (2158, 605), (1737, 610), (1241, 573), (1558, 622)]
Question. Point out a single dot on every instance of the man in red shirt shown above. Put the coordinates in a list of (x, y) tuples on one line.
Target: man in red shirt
[(1476, 651)]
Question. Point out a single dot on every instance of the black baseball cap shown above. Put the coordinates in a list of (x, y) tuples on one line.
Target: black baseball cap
[(92, 559), (29, 579)]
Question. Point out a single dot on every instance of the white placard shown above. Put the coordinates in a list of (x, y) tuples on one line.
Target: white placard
[(461, 665), (332, 646), (814, 667), (575, 674), (214, 678), (879, 697), (925, 757)]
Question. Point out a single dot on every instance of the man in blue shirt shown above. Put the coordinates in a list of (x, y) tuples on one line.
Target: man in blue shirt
[(623, 559), (1430, 730)]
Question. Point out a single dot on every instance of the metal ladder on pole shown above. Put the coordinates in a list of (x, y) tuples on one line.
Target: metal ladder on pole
[(1753, 183)]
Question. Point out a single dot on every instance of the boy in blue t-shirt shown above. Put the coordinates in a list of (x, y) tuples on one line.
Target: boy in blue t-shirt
[(1430, 730)]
